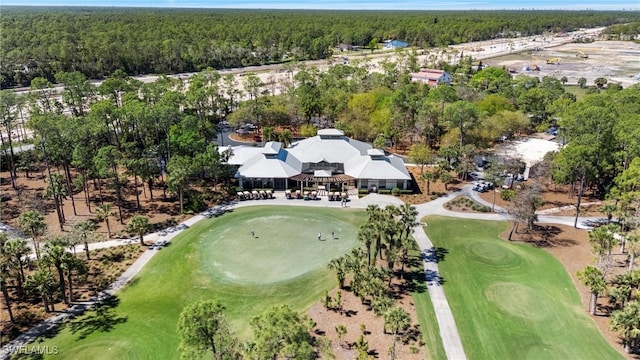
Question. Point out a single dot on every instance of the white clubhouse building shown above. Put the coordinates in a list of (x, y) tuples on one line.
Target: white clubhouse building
[(329, 159)]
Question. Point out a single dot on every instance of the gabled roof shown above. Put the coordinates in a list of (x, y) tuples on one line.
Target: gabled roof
[(316, 149), (375, 152), (428, 74), (270, 165), (384, 168), (359, 159), (396, 43), (271, 148), (330, 132), (240, 154)]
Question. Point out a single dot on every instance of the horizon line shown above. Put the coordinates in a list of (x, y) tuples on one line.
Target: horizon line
[(169, 7)]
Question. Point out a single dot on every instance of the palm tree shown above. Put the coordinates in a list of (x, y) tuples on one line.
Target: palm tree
[(268, 133), (582, 82), (32, 224), (408, 218), (85, 230), (16, 251), (71, 264), (429, 177), (602, 242), (341, 331), (4, 275), (365, 236), (375, 221), (393, 233), (446, 179), (626, 322), (139, 225), (102, 213), (396, 320), (633, 238), (42, 281), (391, 228), (285, 137), (406, 244), (56, 254), (594, 279), (622, 289), (340, 266)]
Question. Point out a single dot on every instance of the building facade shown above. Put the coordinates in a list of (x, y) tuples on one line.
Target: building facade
[(329, 159), (431, 77)]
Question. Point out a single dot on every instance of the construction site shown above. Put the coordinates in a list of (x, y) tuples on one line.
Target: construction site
[(616, 61)]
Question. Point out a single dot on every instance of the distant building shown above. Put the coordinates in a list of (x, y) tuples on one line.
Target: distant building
[(394, 44), (345, 47), (432, 77)]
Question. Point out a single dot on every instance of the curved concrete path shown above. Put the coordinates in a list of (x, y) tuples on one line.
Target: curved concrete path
[(444, 316)]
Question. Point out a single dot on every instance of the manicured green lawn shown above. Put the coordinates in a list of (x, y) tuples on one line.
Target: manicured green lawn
[(217, 258), (577, 91), (426, 314), (511, 301)]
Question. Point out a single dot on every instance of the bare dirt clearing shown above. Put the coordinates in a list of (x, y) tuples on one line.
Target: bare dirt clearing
[(616, 61)]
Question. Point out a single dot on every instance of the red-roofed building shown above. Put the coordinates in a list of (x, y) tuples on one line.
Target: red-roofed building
[(431, 77)]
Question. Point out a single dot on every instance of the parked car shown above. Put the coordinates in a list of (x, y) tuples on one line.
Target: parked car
[(182, 227)]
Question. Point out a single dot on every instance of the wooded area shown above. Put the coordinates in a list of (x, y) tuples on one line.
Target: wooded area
[(104, 142), (40, 42)]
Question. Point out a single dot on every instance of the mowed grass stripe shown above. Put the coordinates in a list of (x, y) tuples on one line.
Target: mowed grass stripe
[(426, 314), (511, 301), (143, 324)]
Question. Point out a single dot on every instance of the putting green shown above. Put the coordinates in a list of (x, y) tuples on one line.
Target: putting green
[(519, 300), (217, 258), (284, 245), (511, 301)]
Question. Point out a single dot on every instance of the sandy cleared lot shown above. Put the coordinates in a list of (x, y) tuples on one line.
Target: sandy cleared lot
[(529, 149), (616, 61)]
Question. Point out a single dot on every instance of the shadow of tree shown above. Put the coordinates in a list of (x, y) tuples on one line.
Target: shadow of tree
[(434, 254), (549, 236), (102, 318), (414, 277), (433, 277)]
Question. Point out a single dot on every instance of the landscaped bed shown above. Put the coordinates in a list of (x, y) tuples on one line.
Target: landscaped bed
[(464, 204)]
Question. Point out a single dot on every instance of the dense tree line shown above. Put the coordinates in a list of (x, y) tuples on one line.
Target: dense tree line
[(631, 29), (622, 286), (40, 42)]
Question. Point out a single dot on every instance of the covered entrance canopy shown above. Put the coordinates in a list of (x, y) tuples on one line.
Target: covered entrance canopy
[(325, 177), (323, 180)]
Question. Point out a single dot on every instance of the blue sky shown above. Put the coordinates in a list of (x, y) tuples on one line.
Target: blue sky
[(354, 4)]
